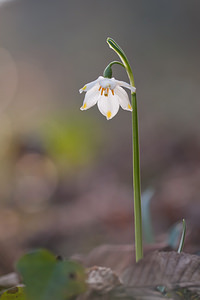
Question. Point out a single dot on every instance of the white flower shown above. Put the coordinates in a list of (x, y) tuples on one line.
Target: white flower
[(108, 95)]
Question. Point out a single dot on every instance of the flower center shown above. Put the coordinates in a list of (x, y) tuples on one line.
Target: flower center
[(105, 91)]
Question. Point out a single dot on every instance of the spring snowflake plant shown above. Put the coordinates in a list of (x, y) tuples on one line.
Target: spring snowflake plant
[(109, 95)]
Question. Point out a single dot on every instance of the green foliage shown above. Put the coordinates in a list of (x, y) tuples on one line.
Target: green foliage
[(177, 232), (70, 141), (146, 216), (47, 278), (15, 293)]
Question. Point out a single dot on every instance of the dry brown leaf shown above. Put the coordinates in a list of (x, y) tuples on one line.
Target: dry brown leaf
[(164, 268), (160, 275), (116, 257)]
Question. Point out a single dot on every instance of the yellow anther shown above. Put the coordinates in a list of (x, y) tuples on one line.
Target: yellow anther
[(99, 88), (109, 114), (112, 92), (85, 105), (129, 107), (106, 93), (102, 91), (84, 88)]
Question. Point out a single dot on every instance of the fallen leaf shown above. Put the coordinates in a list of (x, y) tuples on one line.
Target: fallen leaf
[(47, 278)]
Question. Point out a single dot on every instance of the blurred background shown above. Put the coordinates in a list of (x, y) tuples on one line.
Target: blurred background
[(66, 175)]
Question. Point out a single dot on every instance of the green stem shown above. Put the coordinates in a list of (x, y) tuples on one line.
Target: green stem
[(112, 44), (136, 156), (136, 181), (108, 70)]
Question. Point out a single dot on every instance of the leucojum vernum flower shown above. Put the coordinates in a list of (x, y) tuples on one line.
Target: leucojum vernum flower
[(109, 95)]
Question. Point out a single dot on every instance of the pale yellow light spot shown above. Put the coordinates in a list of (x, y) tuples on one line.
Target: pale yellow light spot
[(109, 114), (84, 88), (85, 105), (129, 107)]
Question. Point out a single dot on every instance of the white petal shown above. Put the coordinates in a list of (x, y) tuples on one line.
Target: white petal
[(91, 97), (90, 85), (109, 105), (123, 98), (126, 85)]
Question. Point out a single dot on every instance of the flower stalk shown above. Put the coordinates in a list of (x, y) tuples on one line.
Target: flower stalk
[(108, 70), (136, 157)]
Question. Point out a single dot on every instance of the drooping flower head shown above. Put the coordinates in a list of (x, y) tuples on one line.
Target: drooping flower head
[(108, 94)]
